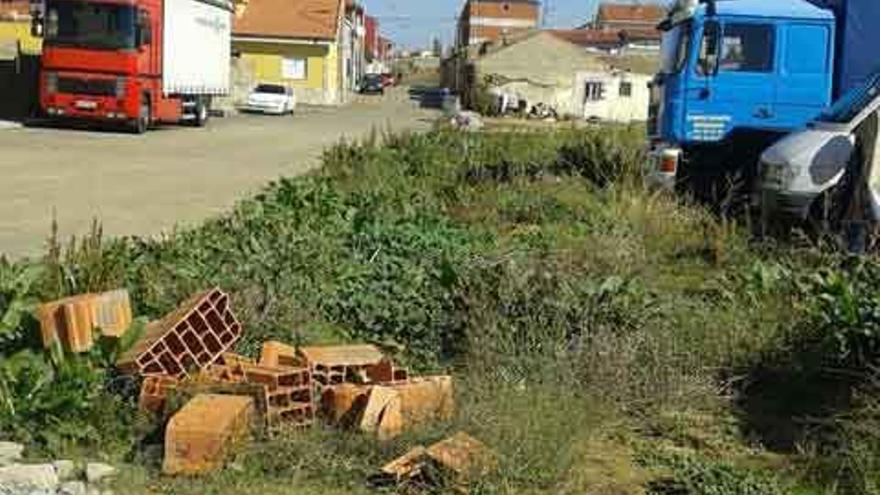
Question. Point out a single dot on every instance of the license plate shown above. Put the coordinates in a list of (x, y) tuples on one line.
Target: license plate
[(86, 105)]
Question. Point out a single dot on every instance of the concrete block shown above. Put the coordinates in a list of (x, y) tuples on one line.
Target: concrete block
[(187, 340), (200, 436), (27, 478), (97, 472), (66, 470), (72, 488), (10, 452)]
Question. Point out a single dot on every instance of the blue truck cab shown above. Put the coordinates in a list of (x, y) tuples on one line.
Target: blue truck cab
[(737, 75)]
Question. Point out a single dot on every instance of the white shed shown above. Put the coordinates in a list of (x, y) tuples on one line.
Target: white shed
[(613, 95)]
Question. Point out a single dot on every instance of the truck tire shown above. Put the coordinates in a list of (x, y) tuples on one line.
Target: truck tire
[(142, 123), (202, 112)]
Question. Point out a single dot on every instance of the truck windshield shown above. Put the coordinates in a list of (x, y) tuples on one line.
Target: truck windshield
[(90, 25), (852, 103), (675, 48)]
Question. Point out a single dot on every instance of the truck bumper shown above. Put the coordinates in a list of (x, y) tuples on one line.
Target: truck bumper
[(785, 205)]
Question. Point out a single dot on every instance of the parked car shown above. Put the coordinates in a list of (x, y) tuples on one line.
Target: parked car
[(806, 165), (271, 98), (372, 83)]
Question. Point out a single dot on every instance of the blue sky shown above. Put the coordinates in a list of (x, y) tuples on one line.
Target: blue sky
[(413, 23)]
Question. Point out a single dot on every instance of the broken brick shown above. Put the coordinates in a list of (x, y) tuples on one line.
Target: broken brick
[(232, 359), (463, 455), (426, 399), (408, 465), (112, 312), (332, 365), (204, 431), (338, 401), (386, 372), (381, 413), (69, 321), (154, 392), (72, 321), (276, 353), (186, 340)]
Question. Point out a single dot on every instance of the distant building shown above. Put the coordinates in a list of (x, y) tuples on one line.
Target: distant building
[(354, 41), (484, 21), (629, 17), (300, 44), (542, 68), (618, 27), (15, 28)]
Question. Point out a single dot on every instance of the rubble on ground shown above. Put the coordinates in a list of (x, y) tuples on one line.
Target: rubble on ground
[(460, 458), (188, 355), (60, 477)]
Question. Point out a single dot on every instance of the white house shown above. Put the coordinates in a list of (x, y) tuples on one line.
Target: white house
[(613, 95)]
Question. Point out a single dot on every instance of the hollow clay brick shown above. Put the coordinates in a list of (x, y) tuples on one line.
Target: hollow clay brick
[(276, 353), (154, 392), (426, 399), (200, 436), (187, 340), (72, 321), (69, 321)]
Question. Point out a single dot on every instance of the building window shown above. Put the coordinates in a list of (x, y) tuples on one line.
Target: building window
[(626, 89), (747, 48), (594, 91), (294, 68)]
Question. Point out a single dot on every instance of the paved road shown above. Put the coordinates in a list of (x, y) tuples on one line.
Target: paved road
[(174, 176)]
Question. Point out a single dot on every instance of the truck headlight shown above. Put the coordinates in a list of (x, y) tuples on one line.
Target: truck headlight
[(121, 82), (51, 82)]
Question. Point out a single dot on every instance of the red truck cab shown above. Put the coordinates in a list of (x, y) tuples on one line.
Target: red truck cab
[(102, 61)]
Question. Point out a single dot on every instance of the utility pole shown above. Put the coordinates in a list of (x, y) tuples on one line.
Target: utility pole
[(546, 10)]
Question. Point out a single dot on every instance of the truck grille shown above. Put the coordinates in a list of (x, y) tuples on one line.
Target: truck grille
[(92, 87)]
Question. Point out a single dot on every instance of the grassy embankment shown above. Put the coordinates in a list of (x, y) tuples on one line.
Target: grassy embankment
[(605, 339)]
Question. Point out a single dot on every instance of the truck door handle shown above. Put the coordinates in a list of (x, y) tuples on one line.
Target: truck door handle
[(763, 113)]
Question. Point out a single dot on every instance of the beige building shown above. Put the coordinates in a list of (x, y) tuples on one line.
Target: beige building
[(542, 68)]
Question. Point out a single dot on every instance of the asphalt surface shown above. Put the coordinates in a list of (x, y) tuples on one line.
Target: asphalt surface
[(170, 177)]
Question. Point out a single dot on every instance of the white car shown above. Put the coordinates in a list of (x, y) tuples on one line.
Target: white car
[(803, 166), (271, 98)]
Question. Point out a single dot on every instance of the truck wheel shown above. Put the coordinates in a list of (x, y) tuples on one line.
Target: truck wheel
[(142, 123), (202, 112)]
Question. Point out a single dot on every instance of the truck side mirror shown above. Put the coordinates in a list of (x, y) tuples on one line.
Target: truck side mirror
[(36, 25), (144, 33), (708, 64)]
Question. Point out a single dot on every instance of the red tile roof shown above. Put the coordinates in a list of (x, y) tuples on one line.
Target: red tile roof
[(615, 12), (14, 10), (310, 19), (605, 37)]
